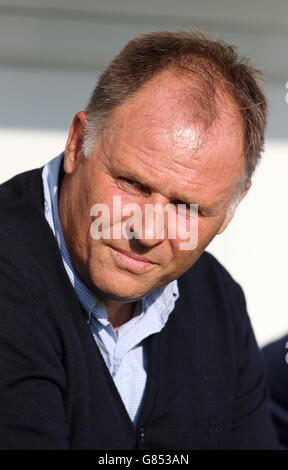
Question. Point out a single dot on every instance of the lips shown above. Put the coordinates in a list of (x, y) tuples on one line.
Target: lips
[(131, 262), (134, 256)]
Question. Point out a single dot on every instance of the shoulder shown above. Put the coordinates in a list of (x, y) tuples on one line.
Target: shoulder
[(211, 268), (16, 190), (210, 279), (21, 205), (26, 239), (29, 256), (213, 304)]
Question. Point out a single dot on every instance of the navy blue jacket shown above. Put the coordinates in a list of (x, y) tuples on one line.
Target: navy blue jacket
[(205, 386)]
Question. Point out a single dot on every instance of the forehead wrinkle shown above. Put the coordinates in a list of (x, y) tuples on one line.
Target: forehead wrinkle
[(163, 100), (165, 176), (149, 166), (165, 141), (171, 133), (168, 135), (177, 166), (160, 165)]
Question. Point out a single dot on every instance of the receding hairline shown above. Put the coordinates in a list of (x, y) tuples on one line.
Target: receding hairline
[(190, 103)]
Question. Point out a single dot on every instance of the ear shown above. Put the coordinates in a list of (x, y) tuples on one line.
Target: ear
[(73, 149), (231, 215)]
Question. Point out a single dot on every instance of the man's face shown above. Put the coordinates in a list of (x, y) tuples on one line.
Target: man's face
[(148, 154)]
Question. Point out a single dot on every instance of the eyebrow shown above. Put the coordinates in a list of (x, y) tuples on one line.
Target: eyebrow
[(126, 173)]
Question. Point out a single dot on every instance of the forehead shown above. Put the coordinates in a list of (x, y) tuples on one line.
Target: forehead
[(155, 135)]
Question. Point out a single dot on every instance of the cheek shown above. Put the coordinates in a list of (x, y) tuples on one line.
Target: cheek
[(182, 260), (208, 228), (104, 207), (186, 251), (102, 189)]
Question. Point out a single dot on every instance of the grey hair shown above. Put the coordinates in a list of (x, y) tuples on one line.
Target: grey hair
[(92, 130)]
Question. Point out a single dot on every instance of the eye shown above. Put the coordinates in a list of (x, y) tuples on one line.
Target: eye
[(132, 184), (181, 202), (186, 208), (181, 205)]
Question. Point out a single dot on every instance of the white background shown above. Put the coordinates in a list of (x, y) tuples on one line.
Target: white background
[(51, 53)]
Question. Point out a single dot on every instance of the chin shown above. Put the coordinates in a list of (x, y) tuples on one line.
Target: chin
[(122, 289)]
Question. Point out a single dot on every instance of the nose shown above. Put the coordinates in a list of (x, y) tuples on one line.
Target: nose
[(150, 229)]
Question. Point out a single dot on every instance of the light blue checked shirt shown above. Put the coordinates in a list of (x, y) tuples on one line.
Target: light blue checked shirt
[(125, 353)]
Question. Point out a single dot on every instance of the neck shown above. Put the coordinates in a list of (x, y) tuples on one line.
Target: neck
[(119, 312)]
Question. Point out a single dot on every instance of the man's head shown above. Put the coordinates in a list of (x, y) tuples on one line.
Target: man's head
[(175, 118)]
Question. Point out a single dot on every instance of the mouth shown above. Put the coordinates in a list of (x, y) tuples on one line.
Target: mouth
[(131, 261)]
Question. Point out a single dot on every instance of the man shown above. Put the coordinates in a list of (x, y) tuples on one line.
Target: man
[(276, 362), (114, 335)]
